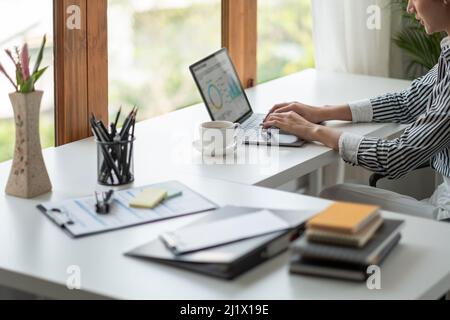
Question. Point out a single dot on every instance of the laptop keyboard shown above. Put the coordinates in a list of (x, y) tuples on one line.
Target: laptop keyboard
[(254, 122), (252, 132), (252, 129)]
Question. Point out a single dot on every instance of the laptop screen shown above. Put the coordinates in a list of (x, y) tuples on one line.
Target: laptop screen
[(220, 87)]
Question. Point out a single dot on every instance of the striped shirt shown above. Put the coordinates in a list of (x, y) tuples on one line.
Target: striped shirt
[(425, 106)]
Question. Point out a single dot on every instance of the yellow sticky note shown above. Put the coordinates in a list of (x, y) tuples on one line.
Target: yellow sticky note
[(149, 198)]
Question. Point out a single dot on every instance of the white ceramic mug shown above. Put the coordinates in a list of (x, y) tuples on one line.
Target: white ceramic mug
[(218, 135)]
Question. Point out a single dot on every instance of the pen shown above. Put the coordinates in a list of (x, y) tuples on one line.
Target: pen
[(109, 161), (113, 131), (127, 124), (104, 131), (115, 146), (128, 165), (117, 117)]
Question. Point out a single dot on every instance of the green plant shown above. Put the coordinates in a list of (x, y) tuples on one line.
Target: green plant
[(25, 80), (423, 49)]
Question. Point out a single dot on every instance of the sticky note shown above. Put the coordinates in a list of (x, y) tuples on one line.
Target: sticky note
[(149, 198)]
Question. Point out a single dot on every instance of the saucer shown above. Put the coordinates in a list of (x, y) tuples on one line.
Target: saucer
[(208, 151)]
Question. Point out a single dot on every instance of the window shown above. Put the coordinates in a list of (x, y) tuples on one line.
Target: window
[(151, 45), (26, 20), (285, 41)]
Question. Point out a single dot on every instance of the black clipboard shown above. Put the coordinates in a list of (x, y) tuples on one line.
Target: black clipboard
[(235, 258)]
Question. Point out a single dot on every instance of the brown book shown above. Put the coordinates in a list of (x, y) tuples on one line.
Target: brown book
[(343, 217), (358, 239)]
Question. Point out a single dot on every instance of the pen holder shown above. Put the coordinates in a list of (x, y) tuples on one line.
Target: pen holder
[(115, 162)]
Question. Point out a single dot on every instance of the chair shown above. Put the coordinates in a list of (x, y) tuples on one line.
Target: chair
[(374, 178)]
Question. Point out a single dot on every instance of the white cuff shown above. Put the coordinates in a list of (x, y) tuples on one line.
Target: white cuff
[(348, 147), (362, 111)]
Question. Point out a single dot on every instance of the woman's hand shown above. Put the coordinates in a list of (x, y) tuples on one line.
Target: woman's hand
[(314, 114), (291, 122), (309, 113), (295, 124)]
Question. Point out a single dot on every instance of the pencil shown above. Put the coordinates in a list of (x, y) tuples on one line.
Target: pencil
[(131, 148), (117, 117)]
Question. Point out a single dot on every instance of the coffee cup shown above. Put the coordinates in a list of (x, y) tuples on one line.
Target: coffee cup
[(218, 135)]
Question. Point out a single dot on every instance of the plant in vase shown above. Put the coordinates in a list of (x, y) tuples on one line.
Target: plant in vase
[(28, 177)]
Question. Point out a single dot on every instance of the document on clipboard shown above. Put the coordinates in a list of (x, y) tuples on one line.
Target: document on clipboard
[(78, 217), (216, 233)]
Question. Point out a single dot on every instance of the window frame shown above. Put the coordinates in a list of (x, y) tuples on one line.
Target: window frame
[(81, 60), (239, 36)]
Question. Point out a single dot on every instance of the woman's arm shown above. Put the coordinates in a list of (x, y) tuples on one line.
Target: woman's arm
[(341, 112), (314, 114), (293, 123), (403, 107), (427, 136)]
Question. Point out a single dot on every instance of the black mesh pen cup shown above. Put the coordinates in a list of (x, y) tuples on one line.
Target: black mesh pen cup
[(115, 162)]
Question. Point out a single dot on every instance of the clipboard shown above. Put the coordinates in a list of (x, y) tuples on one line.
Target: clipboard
[(77, 217)]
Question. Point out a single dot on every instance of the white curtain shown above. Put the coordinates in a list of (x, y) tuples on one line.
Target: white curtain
[(349, 38), (352, 36)]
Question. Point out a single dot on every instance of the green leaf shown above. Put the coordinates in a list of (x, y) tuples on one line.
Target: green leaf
[(36, 76), (40, 55), (19, 76), (28, 86)]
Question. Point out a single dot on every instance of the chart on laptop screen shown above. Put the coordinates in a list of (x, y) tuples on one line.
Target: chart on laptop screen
[(220, 88)]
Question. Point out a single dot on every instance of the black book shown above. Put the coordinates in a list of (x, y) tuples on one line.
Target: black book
[(340, 270), (367, 255)]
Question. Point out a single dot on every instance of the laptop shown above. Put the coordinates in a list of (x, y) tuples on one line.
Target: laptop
[(226, 100)]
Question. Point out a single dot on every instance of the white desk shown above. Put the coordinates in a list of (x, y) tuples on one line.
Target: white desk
[(35, 254)]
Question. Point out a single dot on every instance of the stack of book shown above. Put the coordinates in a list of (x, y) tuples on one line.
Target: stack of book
[(343, 241)]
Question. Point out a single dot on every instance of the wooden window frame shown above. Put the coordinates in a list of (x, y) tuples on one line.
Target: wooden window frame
[(81, 68), (239, 36), (81, 60)]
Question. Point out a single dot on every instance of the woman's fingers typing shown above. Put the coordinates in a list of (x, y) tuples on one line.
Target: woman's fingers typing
[(277, 107)]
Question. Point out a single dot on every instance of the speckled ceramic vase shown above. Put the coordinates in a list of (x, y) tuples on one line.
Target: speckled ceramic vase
[(28, 177)]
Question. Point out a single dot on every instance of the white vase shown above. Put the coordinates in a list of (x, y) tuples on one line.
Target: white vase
[(28, 177)]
